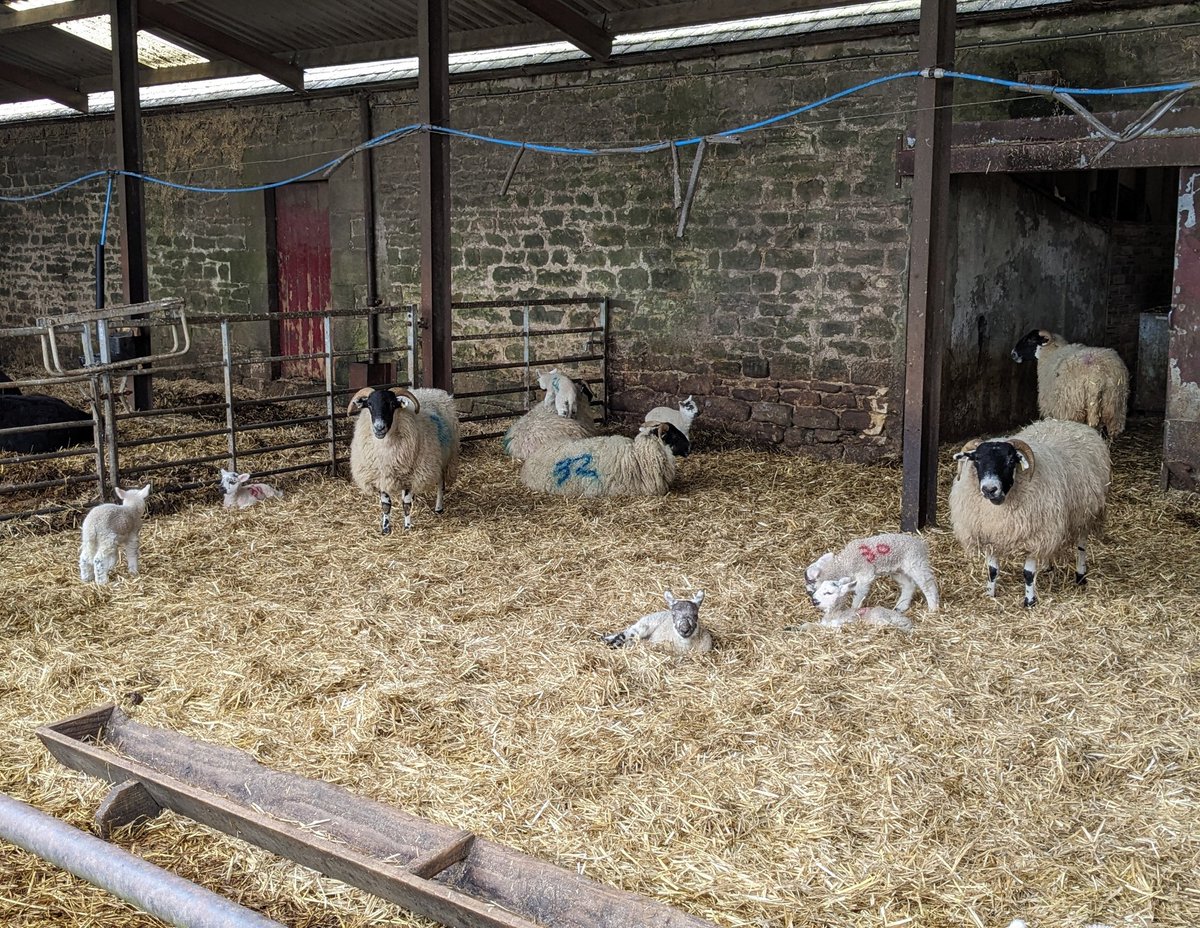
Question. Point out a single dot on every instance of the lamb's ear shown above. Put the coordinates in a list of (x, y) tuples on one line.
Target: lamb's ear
[(358, 401), (845, 584), (699, 597), (145, 491), (669, 597), (242, 478), (815, 568), (968, 450), (121, 494), (407, 400), (1024, 453)]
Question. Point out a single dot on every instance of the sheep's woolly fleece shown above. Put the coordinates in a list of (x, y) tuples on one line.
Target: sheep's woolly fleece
[(999, 763)]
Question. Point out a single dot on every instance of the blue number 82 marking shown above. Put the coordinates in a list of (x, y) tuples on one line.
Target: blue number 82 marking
[(579, 466)]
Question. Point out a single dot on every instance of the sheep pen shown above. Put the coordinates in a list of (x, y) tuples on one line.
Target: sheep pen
[(997, 763)]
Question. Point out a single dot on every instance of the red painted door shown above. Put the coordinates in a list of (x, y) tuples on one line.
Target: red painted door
[(302, 246)]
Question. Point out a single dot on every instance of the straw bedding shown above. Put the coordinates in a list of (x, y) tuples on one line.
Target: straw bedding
[(998, 763)]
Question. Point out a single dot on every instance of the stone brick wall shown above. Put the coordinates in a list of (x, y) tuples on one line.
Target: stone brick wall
[(782, 306), (1140, 259)]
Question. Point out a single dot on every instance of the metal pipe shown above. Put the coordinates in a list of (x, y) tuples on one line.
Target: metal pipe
[(528, 355), (161, 893), (604, 313), (332, 428), (98, 424), (227, 377)]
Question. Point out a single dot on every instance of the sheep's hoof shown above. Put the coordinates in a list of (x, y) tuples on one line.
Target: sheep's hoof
[(385, 530), (1030, 603), (1080, 579)]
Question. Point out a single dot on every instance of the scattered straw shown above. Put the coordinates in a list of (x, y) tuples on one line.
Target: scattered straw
[(998, 763)]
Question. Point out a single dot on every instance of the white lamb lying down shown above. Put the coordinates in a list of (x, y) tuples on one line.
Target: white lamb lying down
[(678, 627), (904, 558), (108, 527), (830, 597), (241, 493)]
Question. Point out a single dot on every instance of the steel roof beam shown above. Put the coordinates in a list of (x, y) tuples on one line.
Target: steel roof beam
[(45, 16), (579, 30), (44, 87), (157, 17)]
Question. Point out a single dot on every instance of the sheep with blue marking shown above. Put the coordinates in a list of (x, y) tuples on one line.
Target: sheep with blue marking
[(562, 415), (608, 465), (405, 442)]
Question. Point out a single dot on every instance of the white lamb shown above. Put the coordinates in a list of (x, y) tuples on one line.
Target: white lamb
[(562, 415), (241, 493), (904, 558), (681, 418), (108, 527), (830, 597), (678, 627), (609, 465)]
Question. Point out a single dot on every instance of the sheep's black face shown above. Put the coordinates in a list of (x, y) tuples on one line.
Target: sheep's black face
[(686, 616), (382, 405), (996, 463), (1026, 349)]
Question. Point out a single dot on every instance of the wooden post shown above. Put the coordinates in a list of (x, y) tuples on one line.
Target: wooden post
[(135, 278), (433, 94), (927, 270)]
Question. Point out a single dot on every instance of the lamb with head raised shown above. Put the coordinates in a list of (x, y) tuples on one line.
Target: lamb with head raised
[(677, 627), (1036, 494), (682, 419), (108, 528), (903, 558), (1077, 382), (241, 493), (608, 465), (404, 442), (563, 414)]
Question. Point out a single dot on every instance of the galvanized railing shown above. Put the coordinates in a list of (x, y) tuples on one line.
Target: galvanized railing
[(302, 428)]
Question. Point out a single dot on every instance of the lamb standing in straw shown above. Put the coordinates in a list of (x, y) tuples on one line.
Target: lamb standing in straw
[(108, 527)]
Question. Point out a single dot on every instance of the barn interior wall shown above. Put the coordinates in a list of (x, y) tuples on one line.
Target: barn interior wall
[(781, 308), (1022, 262)]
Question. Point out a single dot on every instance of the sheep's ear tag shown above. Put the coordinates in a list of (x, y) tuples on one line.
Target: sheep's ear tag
[(1024, 461)]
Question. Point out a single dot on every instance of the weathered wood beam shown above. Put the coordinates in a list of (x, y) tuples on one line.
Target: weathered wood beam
[(433, 108), (17, 20), (579, 30), (927, 270), (161, 17), (44, 87)]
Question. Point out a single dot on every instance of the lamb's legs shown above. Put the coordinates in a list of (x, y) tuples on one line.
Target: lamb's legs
[(406, 499), (385, 514), (907, 589), (993, 566), (102, 563), (861, 590), (86, 571), (929, 589), (131, 555), (1030, 582), (640, 629), (1081, 561), (438, 506)]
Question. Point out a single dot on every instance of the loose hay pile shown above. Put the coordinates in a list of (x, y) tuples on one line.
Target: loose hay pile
[(997, 763)]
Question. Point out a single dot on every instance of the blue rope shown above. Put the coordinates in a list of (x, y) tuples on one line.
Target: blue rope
[(568, 150), (1077, 91), (53, 190), (107, 204)]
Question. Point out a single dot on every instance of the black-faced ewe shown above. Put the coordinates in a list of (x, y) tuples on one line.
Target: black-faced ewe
[(678, 627), (564, 413), (1077, 382), (108, 527), (1034, 495), (609, 465), (682, 419), (240, 492), (404, 443), (831, 597), (903, 558)]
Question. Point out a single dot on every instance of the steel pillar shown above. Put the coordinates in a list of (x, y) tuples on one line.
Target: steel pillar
[(135, 278), (433, 98), (927, 270)]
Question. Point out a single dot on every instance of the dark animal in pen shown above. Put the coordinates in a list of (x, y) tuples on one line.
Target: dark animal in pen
[(20, 411)]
